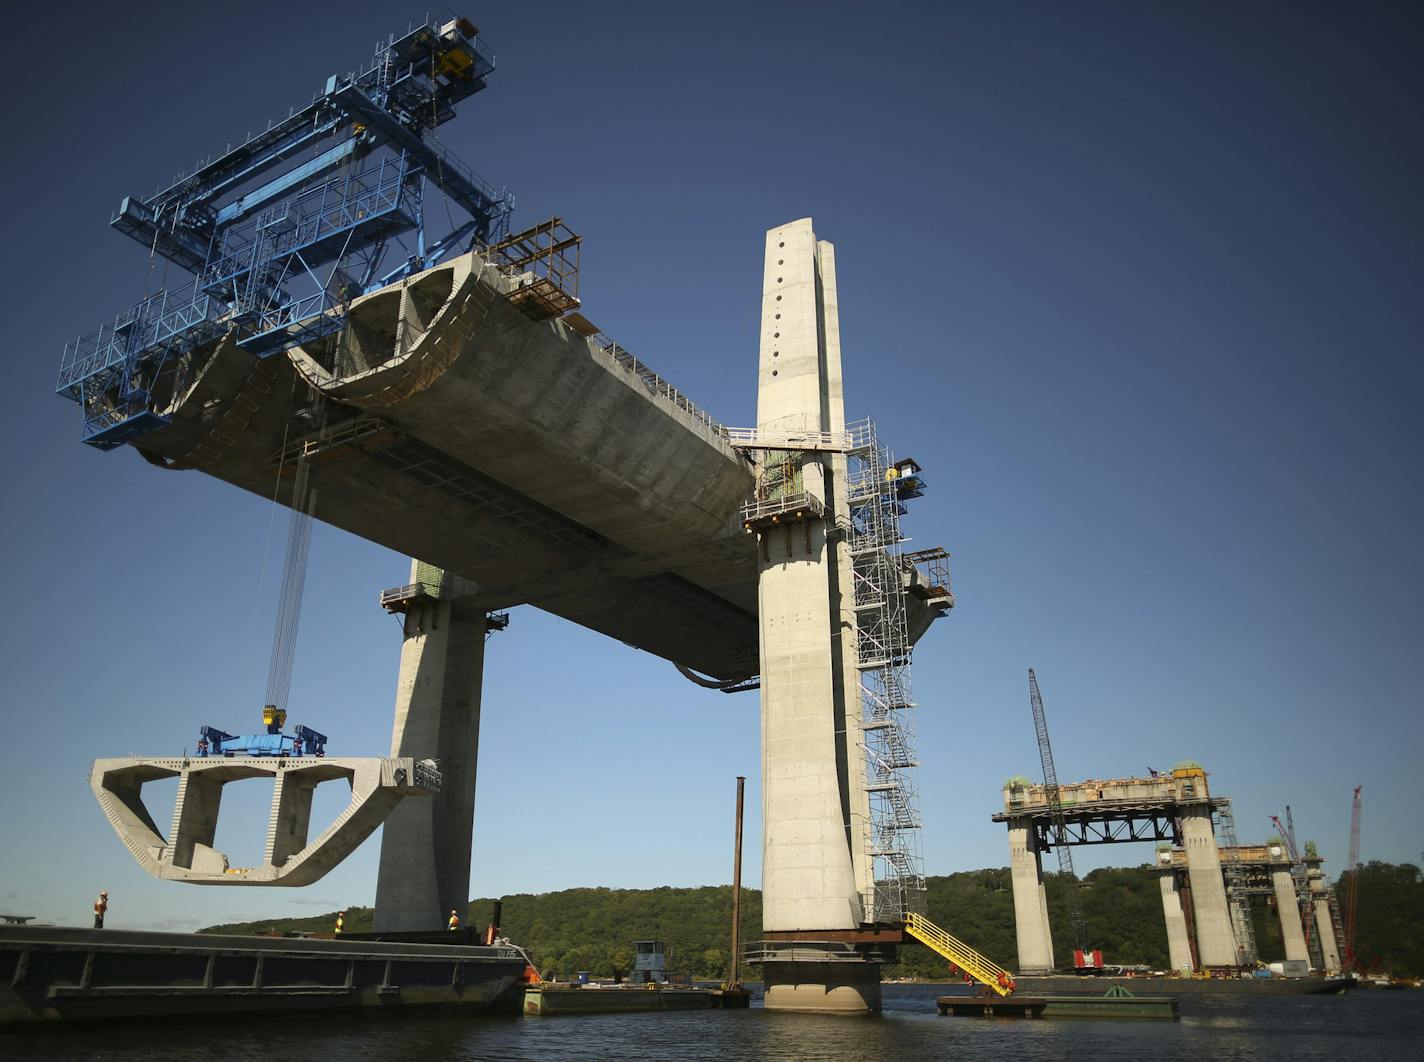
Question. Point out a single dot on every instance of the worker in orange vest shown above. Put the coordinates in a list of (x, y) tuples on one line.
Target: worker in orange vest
[(340, 921), (100, 906), (454, 922)]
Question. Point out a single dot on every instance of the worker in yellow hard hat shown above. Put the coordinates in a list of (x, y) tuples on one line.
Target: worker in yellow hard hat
[(454, 922), (340, 922)]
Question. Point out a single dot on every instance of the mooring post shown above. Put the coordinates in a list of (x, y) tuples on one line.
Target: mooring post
[(732, 981)]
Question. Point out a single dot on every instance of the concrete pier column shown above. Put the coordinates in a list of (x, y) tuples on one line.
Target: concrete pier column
[(425, 845), (1216, 943), (845, 633), (1292, 934), (1179, 947), (815, 857), (1031, 926), (1324, 924)]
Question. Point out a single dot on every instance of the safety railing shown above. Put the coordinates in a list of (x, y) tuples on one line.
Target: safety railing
[(805, 441), (655, 384), (796, 506)]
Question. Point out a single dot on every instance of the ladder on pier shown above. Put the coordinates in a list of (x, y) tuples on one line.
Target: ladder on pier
[(982, 969)]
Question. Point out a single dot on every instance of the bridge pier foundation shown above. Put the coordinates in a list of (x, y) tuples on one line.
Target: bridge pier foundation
[(1031, 926), (1288, 910), (822, 987), (425, 846), (1324, 923), (1179, 945), (1216, 941)]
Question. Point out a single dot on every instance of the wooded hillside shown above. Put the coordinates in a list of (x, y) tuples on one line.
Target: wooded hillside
[(593, 929)]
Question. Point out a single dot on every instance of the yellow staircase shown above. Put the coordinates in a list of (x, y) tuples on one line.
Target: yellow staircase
[(985, 971)]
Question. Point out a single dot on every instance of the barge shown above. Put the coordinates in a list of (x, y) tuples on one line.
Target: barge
[(56, 973)]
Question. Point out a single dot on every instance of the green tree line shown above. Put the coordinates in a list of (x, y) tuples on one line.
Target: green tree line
[(594, 929)]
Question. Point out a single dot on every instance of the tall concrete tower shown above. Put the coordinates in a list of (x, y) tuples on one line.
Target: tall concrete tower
[(816, 865)]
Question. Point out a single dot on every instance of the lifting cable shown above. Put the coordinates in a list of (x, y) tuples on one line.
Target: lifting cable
[(294, 571)]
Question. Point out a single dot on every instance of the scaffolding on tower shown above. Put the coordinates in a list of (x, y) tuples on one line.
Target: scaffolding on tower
[(878, 487), (1237, 887)]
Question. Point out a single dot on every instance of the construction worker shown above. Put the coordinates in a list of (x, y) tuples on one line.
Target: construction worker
[(454, 922), (100, 906), (203, 747), (340, 921)]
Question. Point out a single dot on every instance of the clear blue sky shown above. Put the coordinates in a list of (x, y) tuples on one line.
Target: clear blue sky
[(1138, 284)]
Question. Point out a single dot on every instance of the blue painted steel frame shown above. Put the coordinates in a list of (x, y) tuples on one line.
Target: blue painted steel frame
[(252, 246)]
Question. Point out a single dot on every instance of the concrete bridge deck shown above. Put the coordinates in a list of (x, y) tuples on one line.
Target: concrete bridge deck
[(518, 454)]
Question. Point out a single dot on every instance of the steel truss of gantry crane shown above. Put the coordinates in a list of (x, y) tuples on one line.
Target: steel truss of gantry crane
[(877, 489), (280, 233)]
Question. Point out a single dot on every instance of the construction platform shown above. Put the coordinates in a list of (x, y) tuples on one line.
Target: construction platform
[(1117, 1005), (55, 973)]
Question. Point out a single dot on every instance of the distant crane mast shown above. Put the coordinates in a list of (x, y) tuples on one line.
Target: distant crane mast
[(1352, 892), (1055, 808)]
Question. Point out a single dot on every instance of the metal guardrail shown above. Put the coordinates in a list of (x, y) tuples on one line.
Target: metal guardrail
[(798, 505), (655, 384), (838, 442), (397, 595), (764, 951)]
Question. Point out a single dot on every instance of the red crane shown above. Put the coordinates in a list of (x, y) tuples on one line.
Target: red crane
[(1352, 890)]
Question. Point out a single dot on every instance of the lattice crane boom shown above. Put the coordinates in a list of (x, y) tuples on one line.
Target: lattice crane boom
[(1055, 808), (1352, 893)]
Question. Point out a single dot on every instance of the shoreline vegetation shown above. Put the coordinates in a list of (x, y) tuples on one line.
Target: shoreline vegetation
[(593, 929)]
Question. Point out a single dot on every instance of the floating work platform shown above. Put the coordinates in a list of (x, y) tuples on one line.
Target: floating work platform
[(544, 999), (1174, 986), (1117, 1005), (54, 973)]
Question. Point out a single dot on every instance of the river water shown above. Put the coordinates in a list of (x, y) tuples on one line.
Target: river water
[(1375, 1025)]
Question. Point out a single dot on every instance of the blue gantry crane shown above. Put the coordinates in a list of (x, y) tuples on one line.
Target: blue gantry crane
[(280, 233)]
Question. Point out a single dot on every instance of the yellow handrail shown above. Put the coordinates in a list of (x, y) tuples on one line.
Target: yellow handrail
[(982, 969)]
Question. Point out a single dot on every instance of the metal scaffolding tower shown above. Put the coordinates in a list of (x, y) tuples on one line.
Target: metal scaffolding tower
[(877, 490), (1237, 886)]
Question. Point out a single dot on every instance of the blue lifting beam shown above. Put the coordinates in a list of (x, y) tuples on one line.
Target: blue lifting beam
[(281, 232)]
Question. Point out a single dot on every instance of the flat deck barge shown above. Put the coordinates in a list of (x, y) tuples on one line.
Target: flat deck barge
[(54, 973), (1117, 1005), (1180, 986), (554, 999)]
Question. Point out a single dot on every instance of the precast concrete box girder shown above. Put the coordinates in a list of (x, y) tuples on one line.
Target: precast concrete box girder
[(378, 785)]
